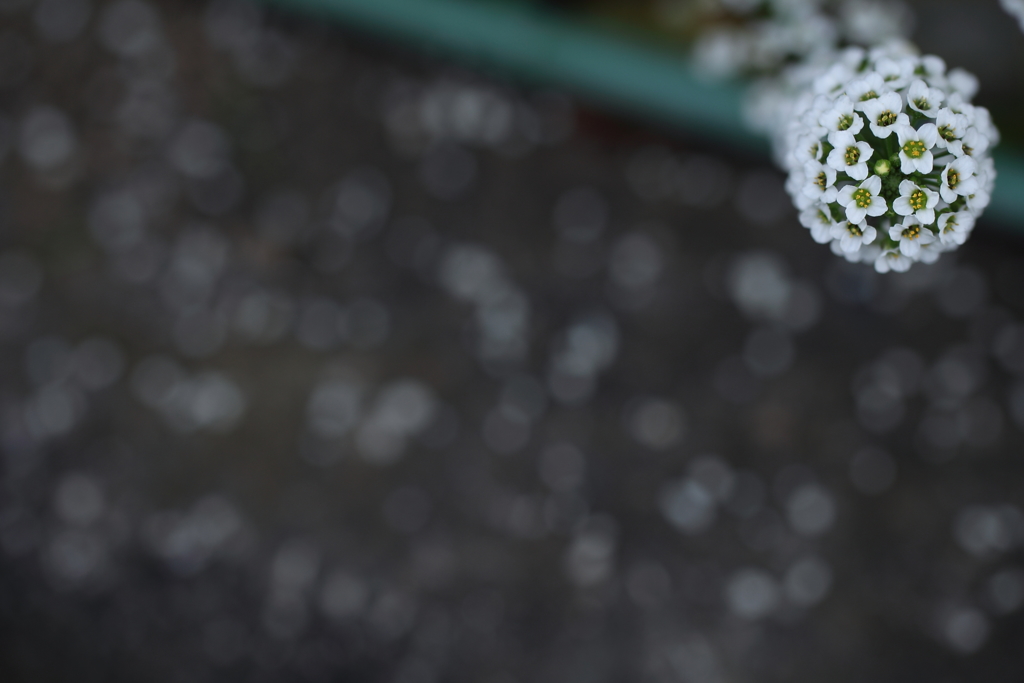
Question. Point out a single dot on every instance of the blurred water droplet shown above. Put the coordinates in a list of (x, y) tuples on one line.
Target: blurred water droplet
[(807, 581), (636, 261), (360, 204), (129, 28), (811, 510), (982, 531), (590, 560), (79, 500), (752, 594), (334, 408), (344, 596), (688, 506), (200, 149), (657, 424), (966, 630), (295, 565), (46, 138), (1006, 590)]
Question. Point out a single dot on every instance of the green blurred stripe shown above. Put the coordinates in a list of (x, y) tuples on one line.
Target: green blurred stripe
[(607, 67), (544, 47), (1008, 200)]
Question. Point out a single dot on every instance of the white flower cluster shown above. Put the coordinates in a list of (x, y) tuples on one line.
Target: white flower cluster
[(888, 160), (1016, 8), (762, 37)]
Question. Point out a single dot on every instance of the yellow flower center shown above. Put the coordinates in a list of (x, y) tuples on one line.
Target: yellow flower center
[(822, 180), (869, 95), (886, 118), (953, 179), (912, 233), (918, 200), (852, 155), (951, 225), (854, 230), (948, 133), (862, 197), (922, 103), (914, 149), (845, 121)]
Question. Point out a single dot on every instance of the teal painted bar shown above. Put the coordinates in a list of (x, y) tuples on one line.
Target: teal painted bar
[(545, 48), (606, 67), (1008, 200)]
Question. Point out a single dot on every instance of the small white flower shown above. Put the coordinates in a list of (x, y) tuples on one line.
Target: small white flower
[(986, 172), (930, 252), (979, 201), (852, 57), (819, 223), (955, 228), (848, 155), (963, 83), (863, 200), (916, 201), (974, 143), (809, 147), (958, 105), (842, 117), (916, 147), (911, 235), (983, 122), (795, 184), (834, 78), (923, 99), (821, 181), (885, 114), (892, 260), (951, 127), (852, 236), (896, 73), (865, 89), (934, 68), (958, 179)]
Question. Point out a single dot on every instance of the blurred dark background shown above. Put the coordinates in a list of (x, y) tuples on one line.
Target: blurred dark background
[(323, 360)]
